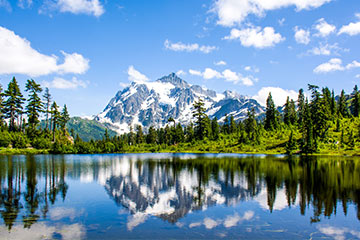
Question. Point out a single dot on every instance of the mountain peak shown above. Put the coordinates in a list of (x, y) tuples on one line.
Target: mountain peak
[(175, 80)]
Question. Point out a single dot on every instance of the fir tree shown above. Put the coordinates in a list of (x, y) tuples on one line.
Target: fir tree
[(199, 115), (291, 144), (250, 124), (35, 106), (47, 98), (355, 103), (55, 117), (64, 118), (215, 129), (232, 125), (13, 103), (2, 109), (301, 107), (151, 136), (342, 110), (271, 114), (139, 134)]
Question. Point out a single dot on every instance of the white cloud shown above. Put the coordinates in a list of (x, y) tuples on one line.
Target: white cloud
[(351, 29), (323, 28), (181, 47), (123, 85), (74, 63), (211, 73), (231, 12), (256, 37), (325, 50), (353, 64), (195, 224), (180, 73), (357, 76), (90, 7), (220, 63), (279, 95), (252, 69), (195, 72), (302, 36), (61, 83), (334, 64), (135, 75), (227, 74), (18, 57)]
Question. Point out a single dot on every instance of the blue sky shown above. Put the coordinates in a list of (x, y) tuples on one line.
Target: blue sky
[(87, 50)]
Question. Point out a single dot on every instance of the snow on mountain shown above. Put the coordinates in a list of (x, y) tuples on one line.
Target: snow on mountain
[(153, 103)]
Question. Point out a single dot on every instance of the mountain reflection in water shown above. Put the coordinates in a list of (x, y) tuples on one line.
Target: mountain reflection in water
[(169, 186)]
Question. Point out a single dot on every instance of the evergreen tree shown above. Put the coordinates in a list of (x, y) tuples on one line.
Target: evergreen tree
[(55, 117), (355, 103), (200, 116), (232, 125), (179, 134), (47, 98), (250, 124), (64, 118), (2, 109), (291, 144), (35, 106), (151, 136), (333, 104), (342, 109), (271, 115), (13, 103), (139, 134), (301, 107), (189, 132), (215, 129)]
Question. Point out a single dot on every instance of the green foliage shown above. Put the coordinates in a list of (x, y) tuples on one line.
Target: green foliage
[(35, 106), (271, 115), (18, 140), (5, 138), (13, 103)]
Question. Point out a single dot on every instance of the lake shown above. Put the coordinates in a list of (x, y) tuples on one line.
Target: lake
[(181, 196)]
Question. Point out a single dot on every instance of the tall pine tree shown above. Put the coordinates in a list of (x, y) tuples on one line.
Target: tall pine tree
[(47, 98), (271, 115), (199, 115), (13, 103), (35, 106)]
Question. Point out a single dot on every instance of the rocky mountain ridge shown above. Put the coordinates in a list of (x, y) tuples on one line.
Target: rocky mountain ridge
[(153, 103)]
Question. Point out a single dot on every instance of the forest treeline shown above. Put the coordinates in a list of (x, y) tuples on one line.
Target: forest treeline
[(322, 122)]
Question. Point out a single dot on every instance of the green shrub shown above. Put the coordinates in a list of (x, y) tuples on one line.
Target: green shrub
[(41, 143), (18, 140), (5, 139)]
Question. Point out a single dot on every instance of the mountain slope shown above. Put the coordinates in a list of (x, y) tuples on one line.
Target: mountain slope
[(153, 103)]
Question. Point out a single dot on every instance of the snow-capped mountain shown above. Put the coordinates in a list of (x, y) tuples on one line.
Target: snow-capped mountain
[(153, 103)]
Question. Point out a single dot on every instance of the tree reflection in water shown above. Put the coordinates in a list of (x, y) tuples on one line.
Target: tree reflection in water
[(170, 186)]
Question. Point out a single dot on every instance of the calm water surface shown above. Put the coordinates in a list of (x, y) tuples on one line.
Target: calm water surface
[(179, 196)]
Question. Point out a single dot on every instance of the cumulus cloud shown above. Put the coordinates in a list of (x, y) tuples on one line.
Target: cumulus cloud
[(89, 7), (220, 63), (25, 3), (334, 64), (60, 83), (279, 95), (256, 37), (351, 29), (135, 75), (353, 64), (325, 49), (18, 57), (182, 47), (227, 75), (302, 36), (232, 12), (357, 76), (323, 28)]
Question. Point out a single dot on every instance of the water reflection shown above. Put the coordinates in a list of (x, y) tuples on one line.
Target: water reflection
[(171, 186)]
